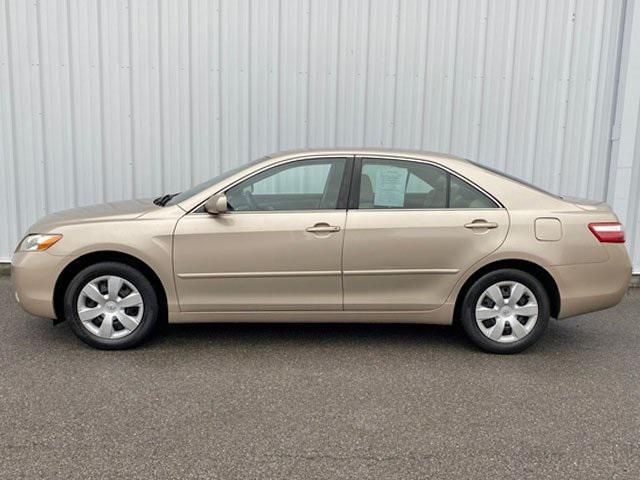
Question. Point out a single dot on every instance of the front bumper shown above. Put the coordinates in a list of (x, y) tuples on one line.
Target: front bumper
[(34, 276)]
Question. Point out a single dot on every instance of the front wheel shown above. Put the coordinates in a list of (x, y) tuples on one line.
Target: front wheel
[(111, 306), (505, 311)]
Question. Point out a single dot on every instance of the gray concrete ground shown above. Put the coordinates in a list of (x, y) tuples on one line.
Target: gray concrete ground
[(320, 401)]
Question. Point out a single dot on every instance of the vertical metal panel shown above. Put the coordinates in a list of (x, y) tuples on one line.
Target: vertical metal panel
[(146, 101), (624, 194), (107, 99), (324, 45), (264, 82), (353, 35), (9, 228), (86, 102), (411, 73), (23, 93), (380, 76)]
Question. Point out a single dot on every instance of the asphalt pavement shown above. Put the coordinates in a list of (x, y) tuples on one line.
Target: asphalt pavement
[(320, 401)]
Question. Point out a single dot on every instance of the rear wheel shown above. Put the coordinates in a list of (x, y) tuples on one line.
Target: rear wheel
[(111, 306), (505, 311)]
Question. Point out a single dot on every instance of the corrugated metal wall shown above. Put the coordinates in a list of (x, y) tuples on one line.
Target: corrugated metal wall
[(624, 178), (110, 99)]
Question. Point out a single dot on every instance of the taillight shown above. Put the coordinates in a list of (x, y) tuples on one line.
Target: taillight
[(608, 232)]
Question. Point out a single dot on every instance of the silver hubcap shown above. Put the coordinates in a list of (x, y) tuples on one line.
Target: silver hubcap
[(110, 307), (506, 312)]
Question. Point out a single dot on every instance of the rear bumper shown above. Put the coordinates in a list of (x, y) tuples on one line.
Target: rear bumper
[(34, 276), (588, 287)]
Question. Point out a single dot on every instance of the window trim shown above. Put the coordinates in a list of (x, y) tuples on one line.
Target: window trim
[(342, 195), (354, 196)]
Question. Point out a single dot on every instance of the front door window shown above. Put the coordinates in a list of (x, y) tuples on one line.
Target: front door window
[(299, 185)]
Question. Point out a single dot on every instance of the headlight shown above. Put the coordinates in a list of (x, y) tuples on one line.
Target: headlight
[(38, 242)]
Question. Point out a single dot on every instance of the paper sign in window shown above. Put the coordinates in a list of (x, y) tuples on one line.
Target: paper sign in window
[(390, 185)]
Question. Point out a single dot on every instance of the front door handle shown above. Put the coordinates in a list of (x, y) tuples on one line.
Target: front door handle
[(480, 223), (323, 228)]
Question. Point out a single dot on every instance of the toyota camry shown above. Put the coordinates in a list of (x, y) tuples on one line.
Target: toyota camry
[(353, 235)]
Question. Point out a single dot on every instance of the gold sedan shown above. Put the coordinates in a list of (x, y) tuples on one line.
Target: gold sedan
[(353, 235)]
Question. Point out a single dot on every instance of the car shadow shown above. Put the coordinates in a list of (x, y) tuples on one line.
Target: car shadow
[(560, 336), (306, 334)]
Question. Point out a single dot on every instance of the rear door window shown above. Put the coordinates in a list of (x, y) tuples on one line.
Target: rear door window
[(403, 184)]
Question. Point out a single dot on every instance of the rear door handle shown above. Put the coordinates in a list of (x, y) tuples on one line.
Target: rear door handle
[(323, 228), (481, 224)]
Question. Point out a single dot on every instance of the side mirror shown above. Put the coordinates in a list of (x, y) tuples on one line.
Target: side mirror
[(216, 204)]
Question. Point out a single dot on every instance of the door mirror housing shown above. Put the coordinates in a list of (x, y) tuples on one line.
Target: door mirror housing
[(216, 204)]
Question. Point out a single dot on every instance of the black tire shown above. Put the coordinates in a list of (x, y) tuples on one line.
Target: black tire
[(150, 314), (468, 311)]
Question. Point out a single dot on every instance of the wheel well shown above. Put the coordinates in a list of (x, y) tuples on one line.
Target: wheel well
[(534, 269), (104, 256)]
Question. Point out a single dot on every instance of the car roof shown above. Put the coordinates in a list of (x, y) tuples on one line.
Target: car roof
[(368, 151)]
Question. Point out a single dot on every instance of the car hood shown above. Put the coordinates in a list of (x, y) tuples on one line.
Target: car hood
[(103, 212)]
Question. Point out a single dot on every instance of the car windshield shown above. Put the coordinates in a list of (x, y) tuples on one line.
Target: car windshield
[(180, 197), (515, 179)]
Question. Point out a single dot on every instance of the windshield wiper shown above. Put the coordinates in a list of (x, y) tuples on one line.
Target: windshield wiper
[(162, 201)]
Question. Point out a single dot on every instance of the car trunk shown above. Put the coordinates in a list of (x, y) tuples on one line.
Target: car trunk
[(589, 205)]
